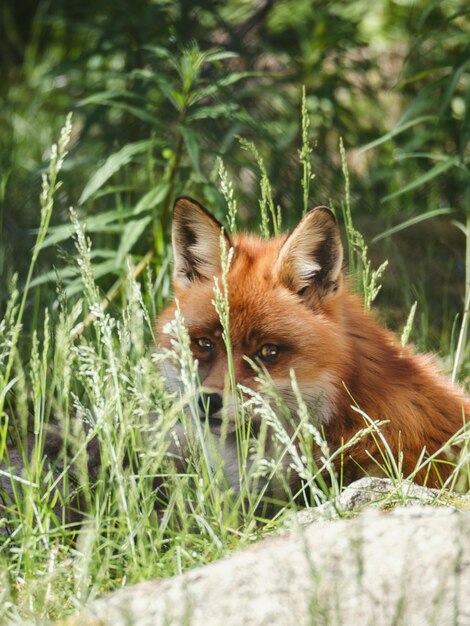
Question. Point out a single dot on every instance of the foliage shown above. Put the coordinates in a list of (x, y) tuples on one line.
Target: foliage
[(436, 75), (108, 503), (174, 97), (161, 89)]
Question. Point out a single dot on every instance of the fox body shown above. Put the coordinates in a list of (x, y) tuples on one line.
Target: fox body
[(291, 309)]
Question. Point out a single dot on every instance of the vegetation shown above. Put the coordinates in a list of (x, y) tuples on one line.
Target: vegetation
[(203, 98)]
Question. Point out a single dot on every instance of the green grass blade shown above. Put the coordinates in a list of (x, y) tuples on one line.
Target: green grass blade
[(435, 171), (112, 165), (396, 131), (411, 222)]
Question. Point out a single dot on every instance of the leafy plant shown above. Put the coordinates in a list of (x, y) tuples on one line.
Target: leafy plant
[(438, 74), (169, 161), (74, 522)]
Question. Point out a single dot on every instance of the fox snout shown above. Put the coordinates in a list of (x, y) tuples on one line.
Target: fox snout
[(209, 404)]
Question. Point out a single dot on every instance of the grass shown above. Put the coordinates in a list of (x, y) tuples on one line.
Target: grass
[(71, 528)]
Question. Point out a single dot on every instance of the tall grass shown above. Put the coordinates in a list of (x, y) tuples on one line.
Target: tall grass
[(95, 492), (73, 524)]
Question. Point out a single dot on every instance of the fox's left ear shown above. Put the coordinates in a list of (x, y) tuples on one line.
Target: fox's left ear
[(311, 258)]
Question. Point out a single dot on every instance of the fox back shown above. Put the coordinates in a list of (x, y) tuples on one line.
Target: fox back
[(291, 310)]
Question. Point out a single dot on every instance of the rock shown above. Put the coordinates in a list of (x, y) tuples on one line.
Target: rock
[(409, 566), (380, 492)]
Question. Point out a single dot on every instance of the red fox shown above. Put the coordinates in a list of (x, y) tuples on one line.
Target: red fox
[(291, 309)]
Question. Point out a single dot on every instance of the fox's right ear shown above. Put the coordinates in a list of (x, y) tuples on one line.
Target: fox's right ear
[(196, 243)]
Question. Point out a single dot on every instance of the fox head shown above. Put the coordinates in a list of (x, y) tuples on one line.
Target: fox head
[(284, 299)]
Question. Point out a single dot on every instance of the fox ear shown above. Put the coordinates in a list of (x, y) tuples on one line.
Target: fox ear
[(311, 258), (196, 242)]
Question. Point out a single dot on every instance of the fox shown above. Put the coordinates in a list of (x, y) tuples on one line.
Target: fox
[(292, 310)]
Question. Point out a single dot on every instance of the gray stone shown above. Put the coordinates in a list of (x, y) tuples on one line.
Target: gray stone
[(407, 567), (380, 493)]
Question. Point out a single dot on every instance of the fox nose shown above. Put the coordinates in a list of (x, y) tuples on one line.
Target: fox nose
[(209, 403)]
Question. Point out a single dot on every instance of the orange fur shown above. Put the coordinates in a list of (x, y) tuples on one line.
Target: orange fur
[(324, 334)]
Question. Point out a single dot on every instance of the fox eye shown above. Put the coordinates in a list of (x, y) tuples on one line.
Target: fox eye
[(204, 344), (268, 352)]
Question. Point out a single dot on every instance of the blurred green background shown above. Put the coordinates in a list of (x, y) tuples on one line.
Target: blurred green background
[(159, 90)]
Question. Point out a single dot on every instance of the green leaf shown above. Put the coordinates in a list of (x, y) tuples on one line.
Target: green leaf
[(465, 129), (423, 102), (131, 234), (99, 270), (428, 10), (101, 223), (103, 96), (451, 86), (435, 171), (111, 166), (192, 145), (220, 56), (215, 87), (65, 274), (159, 51), (152, 198), (399, 128), (411, 222), (136, 111), (213, 112), (139, 113), (434, 156), (176, 98)]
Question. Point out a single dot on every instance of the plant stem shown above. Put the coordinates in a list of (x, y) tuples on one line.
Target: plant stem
[(464, 326), (113, 293), (50, 185)]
